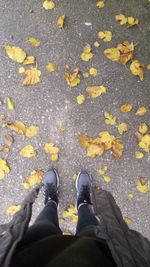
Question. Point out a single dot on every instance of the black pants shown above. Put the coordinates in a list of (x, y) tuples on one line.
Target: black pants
[(47, 224)]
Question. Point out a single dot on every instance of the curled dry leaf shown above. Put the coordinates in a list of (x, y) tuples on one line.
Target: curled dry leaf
[(4, 168), (13, 209), (4, 149), (20, 128), (32, 76), (110, 119), (143, 128), (15, 53), (87, 53), (48, 4), (105, 35), (126, 108), (141, 111), (95, 91), (72, 79), (8, 139), (136, 69), (60, 22), (117, 148), (71, 213), (34, 178), (142, 185), (28, 152), (126, 50)]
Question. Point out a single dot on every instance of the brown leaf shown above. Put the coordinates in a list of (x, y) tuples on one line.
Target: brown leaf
[(4, 149), (8, 139), (2, 117), (117, 148)]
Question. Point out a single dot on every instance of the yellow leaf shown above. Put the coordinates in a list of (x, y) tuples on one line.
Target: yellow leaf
[(103, 170), (62, 128), (126, 107), (31, 131), (148, 67), (117, 148), (32, 76), (141, 111), (21, 70), (94, 150), (51, 149), (51, 67), (54, 157), (142, 185), (93, 72), (74, 177), (100, 4), (28, 152), (10, 104), (60, 22), (71, 213), (107, 179), (13, 209), (80, 99), (85, 74), (126, 50), (105, 35), (121, 18), (112, 53), (15, 53), (48, 4), (130, 196), (34, 41), (139, 155), (29, 60), (72, 79), (4, 169), (145, 143), (109, 119), (132, 21), (95, 91), (143, 128), (34, 178), (85, 140), (96, 44), (128, 220), (136, 69), (87, 53), (122, 127), (18, 127), (107, 139)]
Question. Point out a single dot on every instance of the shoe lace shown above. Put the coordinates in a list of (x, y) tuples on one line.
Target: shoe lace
[(50, 191)]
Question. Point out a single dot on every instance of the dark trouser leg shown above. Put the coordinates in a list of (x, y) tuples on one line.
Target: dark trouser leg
[(86, 221), (45, 224)]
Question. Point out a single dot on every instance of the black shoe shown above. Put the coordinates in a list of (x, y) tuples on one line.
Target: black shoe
[(83, 186), (50, 186)]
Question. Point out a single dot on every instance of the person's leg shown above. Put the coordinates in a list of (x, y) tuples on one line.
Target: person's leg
[(47, 221)]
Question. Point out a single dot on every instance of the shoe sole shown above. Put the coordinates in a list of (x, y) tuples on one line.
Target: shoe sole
[(76, 184)]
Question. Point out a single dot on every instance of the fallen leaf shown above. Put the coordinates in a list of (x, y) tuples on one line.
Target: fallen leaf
[(2, 117), (105, 35), (143, 128), (121, 18), (32, 76), (136, 69), (126, 108), (13, 209), (95, 91), (145, 143), (103, 170), (148, 67), (132, 21), (28, 152), (87, 53), (29, 60), (50, 148), (109, 118), (51, 67), (130, 196), (15, 53), (31, 131), (126, 50), (100, 4), (85, 74), (34, 178), (96, 44), (74, 177), (21, 70), (93, 72), (62, 128), (128, 220), (4, 149), (112, 53), (48, 4), (60, 22), (139, 155), (122, 127), (8, 139), (94, 150), (142, 185), (80, 99), (18, 127), (10, 104), (34, 41), (71, 213), (72, 79), (107, 179), (4, 168), (54, 157), (141, 111), (107, 139), (117, 148)]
